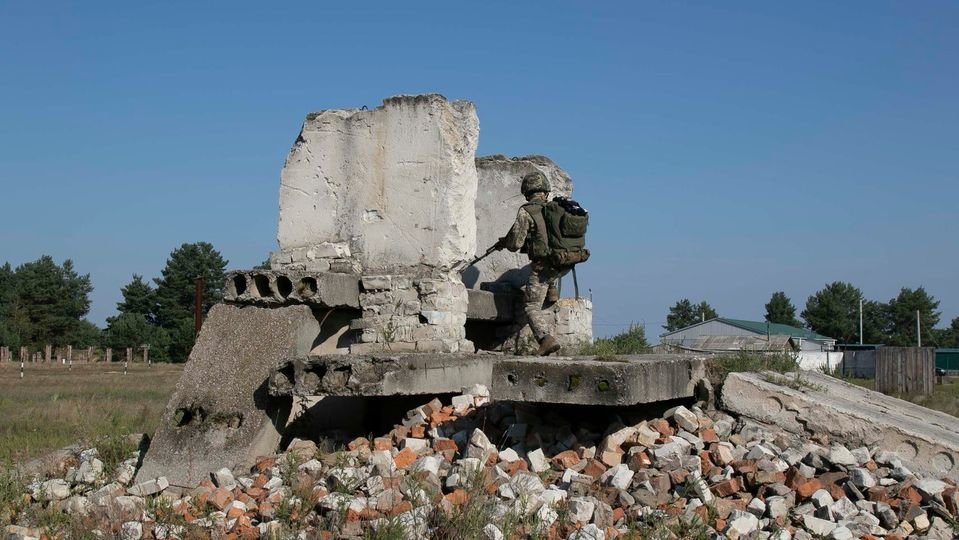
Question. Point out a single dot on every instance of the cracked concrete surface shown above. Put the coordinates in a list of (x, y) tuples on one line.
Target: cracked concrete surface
[(927, 441)]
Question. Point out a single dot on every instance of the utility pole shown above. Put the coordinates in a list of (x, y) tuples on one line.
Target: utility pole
[(918, 330), (860, 321)]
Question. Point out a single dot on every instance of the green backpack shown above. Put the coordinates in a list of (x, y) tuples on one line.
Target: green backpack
[(560, 236)]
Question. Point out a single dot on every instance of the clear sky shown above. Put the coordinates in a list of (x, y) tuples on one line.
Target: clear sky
[(725, 150)]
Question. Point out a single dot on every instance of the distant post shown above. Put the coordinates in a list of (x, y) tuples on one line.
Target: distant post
[(48, 354), (109, 355), (126, 363), (89, 355), (146, 354), (69, 357)]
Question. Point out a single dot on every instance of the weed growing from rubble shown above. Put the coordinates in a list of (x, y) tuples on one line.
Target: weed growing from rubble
[(796, 382), (750, 361), (11, 495), (113, 450), (657, 525), (288, 468)]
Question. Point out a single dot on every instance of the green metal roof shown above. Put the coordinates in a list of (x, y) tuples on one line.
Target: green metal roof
[(775, 329)]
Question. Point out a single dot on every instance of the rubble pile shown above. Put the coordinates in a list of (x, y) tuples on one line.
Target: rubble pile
[(475, 469)]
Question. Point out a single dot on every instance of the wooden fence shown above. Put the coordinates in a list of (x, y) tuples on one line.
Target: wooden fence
[(906, 370)]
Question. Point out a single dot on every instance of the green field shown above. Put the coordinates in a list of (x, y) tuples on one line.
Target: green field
[(52, 407)]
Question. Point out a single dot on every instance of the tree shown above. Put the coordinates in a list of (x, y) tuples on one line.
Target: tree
[(49, 303), (138, 298), (174, 292), (133, 330), (947, 337), (901, 316), (684, 313), (833, 311), (781, 310), (8, 334)]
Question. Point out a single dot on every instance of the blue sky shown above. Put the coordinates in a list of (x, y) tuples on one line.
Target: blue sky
[(725, 150)]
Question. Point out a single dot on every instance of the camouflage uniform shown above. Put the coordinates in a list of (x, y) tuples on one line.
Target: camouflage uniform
[(542, 274)]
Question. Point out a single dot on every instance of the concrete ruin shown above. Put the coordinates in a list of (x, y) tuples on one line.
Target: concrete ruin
[(380, 212)]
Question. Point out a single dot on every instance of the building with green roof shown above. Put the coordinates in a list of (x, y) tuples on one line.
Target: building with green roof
[(738, 334)]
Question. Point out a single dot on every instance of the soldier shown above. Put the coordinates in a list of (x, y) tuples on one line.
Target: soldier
[(528, 235)]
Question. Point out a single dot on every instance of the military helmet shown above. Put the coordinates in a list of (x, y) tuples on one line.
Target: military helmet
[(533, 182)]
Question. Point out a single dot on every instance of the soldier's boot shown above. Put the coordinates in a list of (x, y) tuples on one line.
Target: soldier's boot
[(552, 295), (547, 346)]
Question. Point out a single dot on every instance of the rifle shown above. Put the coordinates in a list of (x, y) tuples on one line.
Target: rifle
[(494, 247)]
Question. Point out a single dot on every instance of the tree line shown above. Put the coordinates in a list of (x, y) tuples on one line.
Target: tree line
[(45, 303), (833, 311)]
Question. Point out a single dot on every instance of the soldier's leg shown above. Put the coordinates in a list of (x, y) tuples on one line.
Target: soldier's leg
[(536, 289)]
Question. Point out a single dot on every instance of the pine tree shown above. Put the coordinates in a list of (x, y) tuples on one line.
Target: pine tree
[(781, 310)]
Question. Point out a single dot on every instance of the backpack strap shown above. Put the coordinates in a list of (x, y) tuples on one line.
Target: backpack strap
[(538, 247)]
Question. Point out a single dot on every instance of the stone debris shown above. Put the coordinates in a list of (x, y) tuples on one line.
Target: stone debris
[(530, 472)]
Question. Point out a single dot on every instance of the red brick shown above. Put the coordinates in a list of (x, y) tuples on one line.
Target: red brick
[(418, 431), (359, 442), (260, 480), (264, 463), (726, 487), (594, 468), (220, 498), (678, 476), (744, 466), (911, 494), (567, 459), (404, 458), (639, 460), (807, 488), (514, 467), (401, 507), (708, 435), (457, 497), (444, 444), (382, 443), (794, 478)]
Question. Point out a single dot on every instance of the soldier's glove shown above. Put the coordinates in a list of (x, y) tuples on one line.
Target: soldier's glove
[(500, 244)]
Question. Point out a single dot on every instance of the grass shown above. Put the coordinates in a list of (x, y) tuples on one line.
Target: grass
[(96, 404), (632, 341), (747, 361), (944, 398)]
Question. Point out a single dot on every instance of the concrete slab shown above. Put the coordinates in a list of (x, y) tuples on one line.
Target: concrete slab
[(626, 380), (273, 287), (617, 380), (926, 441), (380, 374), (221, 413)]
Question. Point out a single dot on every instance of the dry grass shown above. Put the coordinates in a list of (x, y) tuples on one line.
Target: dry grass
[(944, 398), (52, 407)]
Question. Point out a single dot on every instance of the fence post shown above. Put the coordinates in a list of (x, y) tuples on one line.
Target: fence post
[(89, 355), (48, 354), (109, 357), (126, 363), (69, 357), (146, 355)]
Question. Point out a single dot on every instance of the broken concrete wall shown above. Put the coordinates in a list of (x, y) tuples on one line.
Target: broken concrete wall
[(408, 313), (827, 408), (383, 189), (221, 413), (498, 198)]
